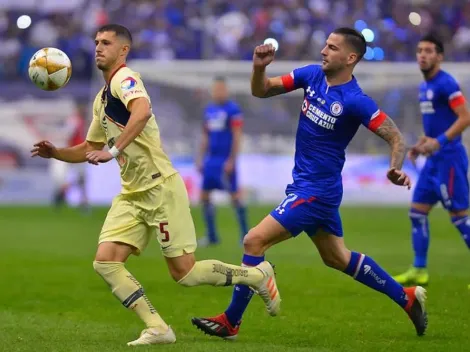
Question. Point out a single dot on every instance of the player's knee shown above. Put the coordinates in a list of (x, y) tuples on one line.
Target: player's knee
[(254, 242), (336, 259), (103, 268)]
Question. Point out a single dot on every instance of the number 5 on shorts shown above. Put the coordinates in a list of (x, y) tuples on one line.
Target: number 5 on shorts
[(164, 232)]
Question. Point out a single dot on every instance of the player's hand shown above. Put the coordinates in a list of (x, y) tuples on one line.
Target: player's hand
[(429, 147), (44, 149), (414, 152), (399, 178), (229, 166), (98, 156), (263, 55)]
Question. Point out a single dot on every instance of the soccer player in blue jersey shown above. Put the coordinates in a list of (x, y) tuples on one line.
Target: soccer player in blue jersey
[(444, 176), (221, 140), (333, 108)]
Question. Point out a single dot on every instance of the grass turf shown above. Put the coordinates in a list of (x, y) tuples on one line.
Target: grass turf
[(52, 300)]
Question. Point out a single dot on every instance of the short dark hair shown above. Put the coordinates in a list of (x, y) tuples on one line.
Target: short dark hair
[(120, 31), (432, 38), (220, 78), (353, 38)]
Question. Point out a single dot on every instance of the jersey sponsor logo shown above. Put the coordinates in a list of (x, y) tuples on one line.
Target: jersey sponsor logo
[(131, 93), (336, 108), (429, 94), (368, 271), (318, 116), (426, 107), (128, 83), (216, 121)]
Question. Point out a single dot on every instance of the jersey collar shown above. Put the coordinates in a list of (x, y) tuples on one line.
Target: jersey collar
[(114, 73)]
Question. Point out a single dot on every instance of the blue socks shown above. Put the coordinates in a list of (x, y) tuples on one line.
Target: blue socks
[(420, 237), (209, 217), (241, 294), (366, 271), (462, 223), (240, 209)]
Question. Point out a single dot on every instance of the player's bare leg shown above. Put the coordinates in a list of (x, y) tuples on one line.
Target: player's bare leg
[(226, 325), (188, 272), (109, 264), (417, 274), (363, 269), (209, 211), (240, 211)]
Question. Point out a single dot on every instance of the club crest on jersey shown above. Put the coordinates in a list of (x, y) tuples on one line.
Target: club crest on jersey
[(336, 108), (429, 94), (128, 83)]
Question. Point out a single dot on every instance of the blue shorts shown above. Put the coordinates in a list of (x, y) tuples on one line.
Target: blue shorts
[(298, 213), (444, 179), (214, 177)]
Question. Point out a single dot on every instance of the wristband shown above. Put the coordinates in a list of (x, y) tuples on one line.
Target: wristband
[(114, 151), (443, 140)]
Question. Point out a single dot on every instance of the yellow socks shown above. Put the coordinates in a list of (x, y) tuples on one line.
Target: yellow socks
[(217, 273), (129, 291)]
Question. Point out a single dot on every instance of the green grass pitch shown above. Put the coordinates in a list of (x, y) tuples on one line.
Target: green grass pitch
[(52, 300)]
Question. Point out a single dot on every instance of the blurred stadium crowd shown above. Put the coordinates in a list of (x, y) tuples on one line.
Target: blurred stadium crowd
[(208, 29)]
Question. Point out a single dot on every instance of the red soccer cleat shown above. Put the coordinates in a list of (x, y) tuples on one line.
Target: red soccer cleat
[(217, 326), (415, 308)]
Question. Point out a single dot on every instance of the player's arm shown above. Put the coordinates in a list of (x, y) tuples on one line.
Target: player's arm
[(236, 126), (457, 103), (261, 85), (140, 114), (264, 87), (77, 154), (383, 126), (459, 107), (389, 132), (202, 148)]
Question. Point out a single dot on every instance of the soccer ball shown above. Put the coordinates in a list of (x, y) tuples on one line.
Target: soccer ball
[(50, 69)]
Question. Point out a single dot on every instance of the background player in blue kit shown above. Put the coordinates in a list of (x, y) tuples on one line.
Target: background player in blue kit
[(333, 108), (221, 142), (444, 176)]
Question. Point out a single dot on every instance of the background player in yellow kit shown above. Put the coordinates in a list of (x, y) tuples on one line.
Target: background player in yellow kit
[(153, 201)]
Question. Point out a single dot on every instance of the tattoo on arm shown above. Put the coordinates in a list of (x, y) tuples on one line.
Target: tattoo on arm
[(389, 132), (271, 92)]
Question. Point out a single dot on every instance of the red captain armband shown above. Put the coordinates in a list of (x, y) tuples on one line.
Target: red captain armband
[(456, 99), (236, 123), (288, 82), (376, 120)]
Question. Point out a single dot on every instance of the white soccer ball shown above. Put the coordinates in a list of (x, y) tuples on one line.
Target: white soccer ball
[(273, 42), (50, 69)]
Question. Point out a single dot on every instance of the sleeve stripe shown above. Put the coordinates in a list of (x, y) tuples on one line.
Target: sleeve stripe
[(288, 82), (456, 101), (376, 120), (236, 123), (455, 95)]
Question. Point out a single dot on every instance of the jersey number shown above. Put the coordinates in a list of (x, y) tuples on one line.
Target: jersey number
[(164, 232)]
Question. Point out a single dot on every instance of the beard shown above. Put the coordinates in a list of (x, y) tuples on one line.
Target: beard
[(428, 70)]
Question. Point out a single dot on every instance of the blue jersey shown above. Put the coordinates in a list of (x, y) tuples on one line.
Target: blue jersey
[(437, 98), (218, 122), (329, 119)]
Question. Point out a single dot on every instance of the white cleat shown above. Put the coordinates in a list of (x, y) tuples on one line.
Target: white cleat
[(151, 336), (267, 290)]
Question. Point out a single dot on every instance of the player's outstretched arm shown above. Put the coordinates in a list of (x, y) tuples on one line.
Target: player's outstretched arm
[(389, 132), (140, 114), (75, 154), (261, 85)]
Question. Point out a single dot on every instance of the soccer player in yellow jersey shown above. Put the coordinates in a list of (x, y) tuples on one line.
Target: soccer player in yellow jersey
[(153, 201)]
